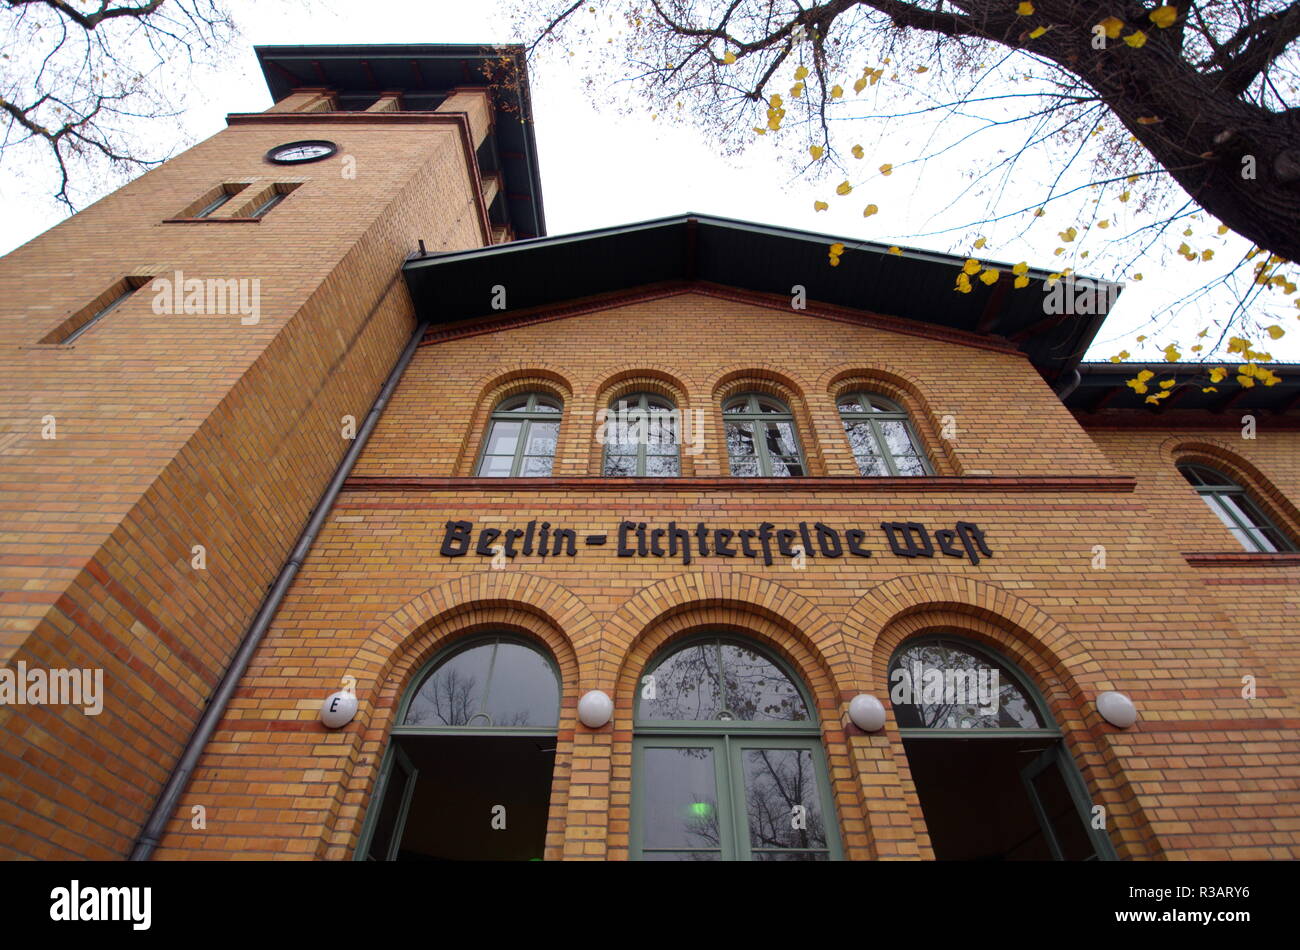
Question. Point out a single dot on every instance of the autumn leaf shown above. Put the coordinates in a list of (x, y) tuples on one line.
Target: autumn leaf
[(989, 277), (1171, 354), (729, 58), (1163, 17), (837, 91), (1275, 332), (971, 266), (857, 151), (980, 242), (1124, 196), (860, 84), (1112, 26), (1139, 383), (1021, 282), (1025, 9), (1167, 383), (1223, 229), (815, 151), (843, 188), (869, 210), (1136, 40), (922, 69), (801, 72), (1069, 234), (895, 250), (820, 206), (1218, 374), (886, 169)]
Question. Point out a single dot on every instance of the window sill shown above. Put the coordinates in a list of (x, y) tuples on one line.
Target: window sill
[(1243, 559), (842, 483), (212, 221)]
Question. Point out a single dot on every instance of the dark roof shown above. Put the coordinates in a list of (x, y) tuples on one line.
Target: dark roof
[(1103, 387), (424, 74), (915, 285)]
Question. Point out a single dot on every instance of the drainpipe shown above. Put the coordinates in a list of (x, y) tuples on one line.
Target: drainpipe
[(152, 832), (1069, 384)]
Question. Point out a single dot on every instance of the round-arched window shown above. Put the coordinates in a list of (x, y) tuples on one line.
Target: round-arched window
[(728, 759), (761, 437), (993, 775), (881, 436), (521, 437), (1232, 505), (640, 435)]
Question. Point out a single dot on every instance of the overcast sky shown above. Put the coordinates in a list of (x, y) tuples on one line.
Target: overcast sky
[(600, 168)]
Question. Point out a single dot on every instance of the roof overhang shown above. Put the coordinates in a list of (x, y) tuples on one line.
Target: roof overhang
[(425, 74), (1103, 390), (913, 285)]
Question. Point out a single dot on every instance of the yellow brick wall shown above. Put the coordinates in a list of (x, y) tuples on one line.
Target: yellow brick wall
[(1204, 774)]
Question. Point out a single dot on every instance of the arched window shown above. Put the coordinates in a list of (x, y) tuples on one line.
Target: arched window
[(521, 437), (467, 773), (994, 778), (640, 435), (881, 436), (728, 761), (761, 438), (1233, 506)]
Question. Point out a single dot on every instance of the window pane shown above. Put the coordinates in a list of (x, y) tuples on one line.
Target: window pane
[(744, 467), (620, 466), (941, 686), (909, 465), (849, 405), (1067, 825), (782, 801), (736, 405), (537, 467), (514, 404), (897, 438), (780, 439), (546, 404), (523, 690), (684, 686), (682, 856), (661, 466), (757, 689), (791, 856), (496, 466), (541, 438), (681, 799), (503, 438), (872, 466), (453, 692), (861, 439), (766, 404)]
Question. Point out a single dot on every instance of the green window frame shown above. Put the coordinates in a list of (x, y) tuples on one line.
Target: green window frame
[(1232, 505), (387, 817), (881, 436), (522, 435), (742, 769), (655, 448), (1054, 756), (762, 438)]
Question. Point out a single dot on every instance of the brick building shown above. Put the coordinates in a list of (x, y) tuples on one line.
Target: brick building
[(637, 461)]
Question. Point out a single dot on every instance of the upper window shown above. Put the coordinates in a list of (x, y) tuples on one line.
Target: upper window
[(640, 437), (521, 437), (947, 684), (881, 436), (1234, 507), (761, 439)]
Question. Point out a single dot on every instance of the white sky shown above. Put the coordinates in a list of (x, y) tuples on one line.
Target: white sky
[(600, 168)]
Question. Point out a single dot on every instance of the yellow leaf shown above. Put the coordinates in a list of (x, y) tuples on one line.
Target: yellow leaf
[(1197, 348), (1037, 32), (1021, 282), (1124, 196), (1166, 383), (922, 69), (1171, 354), (820, 206), (801, 72), (1058, 252), (1025, 9), (1203, 334), (1112, 26), (1209, 389), (895, 250), (990, 277), (729, 58), (837, 248), (886, 169), (1218, 374), (1021, 268), (1137, 276), (1163, 17), (1139, 383), (1103, 224), (1245, 381), (837, 91), (869, 210), (1136, 40), (796, 91), (1187, 232), (1223, 229), (1237, 344), (860, 84), (1184, 249), (1069, 234), (1141, 338), (815, 151), (775, 101), (1132, 178), (971, 266), (835, 262), (980, 242), (1275, 332), (857, 151), (1039, 213), (1207, 254), (843, 188), (1157, 397)]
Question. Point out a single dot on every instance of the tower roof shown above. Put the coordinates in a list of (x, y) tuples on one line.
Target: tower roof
[(425, 74)]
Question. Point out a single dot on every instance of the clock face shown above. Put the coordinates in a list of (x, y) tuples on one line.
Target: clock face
[(295, 153)]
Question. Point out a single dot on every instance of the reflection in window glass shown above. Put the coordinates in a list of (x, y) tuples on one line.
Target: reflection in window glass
[(942, 685), (681, 801), (1233, 506), (501, 683), (783, 804), (717, 680), (881, 436), (522, 437), (761, 439), (640, 434)]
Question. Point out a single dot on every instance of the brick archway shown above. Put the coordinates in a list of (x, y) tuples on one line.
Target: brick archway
[(533, 607), (1058, 663)]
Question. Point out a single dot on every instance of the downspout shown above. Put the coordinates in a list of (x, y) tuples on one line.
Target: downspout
[(152, 832)]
